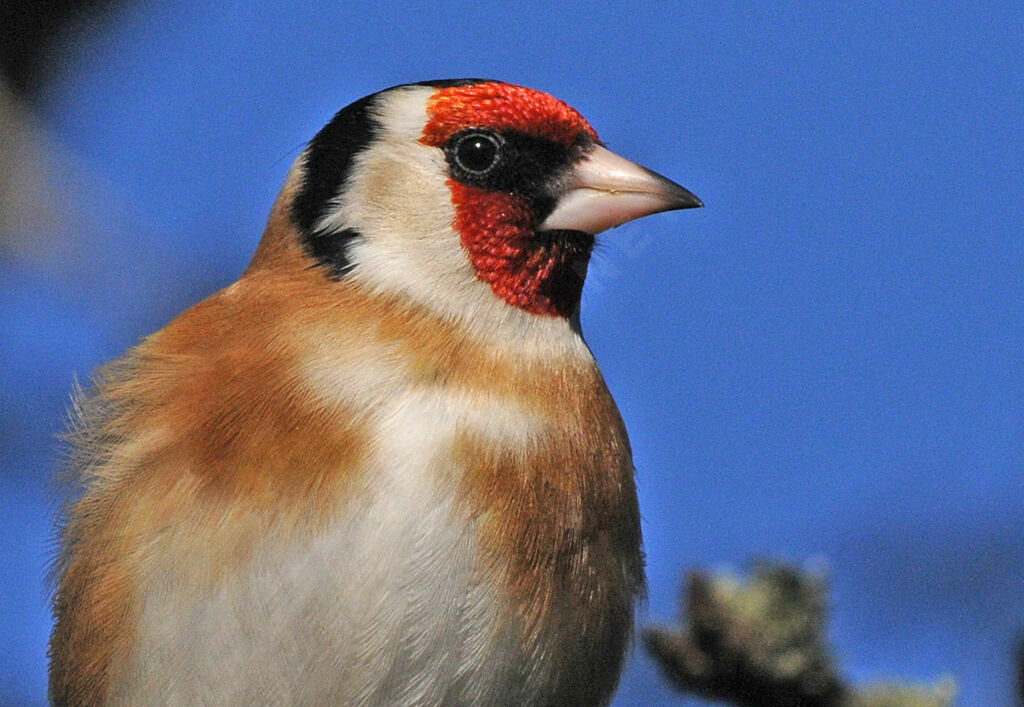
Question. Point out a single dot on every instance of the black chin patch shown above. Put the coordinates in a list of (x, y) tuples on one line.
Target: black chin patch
[(571, 249)]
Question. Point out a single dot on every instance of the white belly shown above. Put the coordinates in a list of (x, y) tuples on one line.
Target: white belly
[(385, 606)]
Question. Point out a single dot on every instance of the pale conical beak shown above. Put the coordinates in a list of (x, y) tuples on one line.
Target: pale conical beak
[(605, 190)]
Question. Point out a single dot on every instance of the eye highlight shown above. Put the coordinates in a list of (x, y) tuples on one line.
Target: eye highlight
[(477, 152)]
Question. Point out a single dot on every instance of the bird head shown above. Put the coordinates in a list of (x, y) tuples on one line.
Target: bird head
[(469, 196)]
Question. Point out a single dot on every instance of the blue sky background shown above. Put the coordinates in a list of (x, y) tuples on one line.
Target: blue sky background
[(822, 365)]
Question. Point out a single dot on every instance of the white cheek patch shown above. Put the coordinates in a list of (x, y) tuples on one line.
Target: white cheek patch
[(395, 166)]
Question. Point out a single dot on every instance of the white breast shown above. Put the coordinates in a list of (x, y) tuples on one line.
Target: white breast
[(383, 607)]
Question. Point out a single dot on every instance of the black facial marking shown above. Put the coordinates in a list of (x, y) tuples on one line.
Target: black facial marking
[(452, 83), (330, 249), (522, 164), (329, 159), (564, 286), (328, 163)]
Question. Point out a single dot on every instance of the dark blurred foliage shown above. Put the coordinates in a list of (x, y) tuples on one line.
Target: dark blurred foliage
[(764, 641), (29, 29)]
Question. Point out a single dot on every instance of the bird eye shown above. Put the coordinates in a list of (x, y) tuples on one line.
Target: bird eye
[(477, 152)]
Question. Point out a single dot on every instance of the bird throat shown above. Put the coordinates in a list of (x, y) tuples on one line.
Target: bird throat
[(541, 272)]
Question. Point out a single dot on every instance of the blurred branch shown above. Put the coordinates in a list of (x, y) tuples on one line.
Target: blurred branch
[(764, 642), (27, 204)]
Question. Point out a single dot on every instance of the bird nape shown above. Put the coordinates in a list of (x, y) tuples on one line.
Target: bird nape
[(382, 467)]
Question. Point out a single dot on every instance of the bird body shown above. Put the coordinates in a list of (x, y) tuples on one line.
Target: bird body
[(383, 466)]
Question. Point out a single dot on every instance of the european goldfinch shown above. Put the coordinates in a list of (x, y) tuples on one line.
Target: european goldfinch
[(381, 468)]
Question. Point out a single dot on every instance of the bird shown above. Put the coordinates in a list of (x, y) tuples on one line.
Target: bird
[(382, 467)]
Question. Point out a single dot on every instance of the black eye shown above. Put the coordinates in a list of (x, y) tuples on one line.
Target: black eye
[(477, 153)]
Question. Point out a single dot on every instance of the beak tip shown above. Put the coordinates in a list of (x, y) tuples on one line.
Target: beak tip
[(687, 199)]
